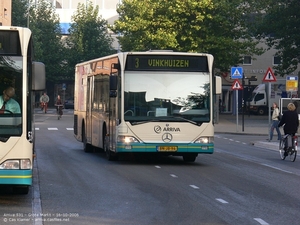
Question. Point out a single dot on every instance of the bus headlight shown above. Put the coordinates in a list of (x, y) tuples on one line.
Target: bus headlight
[(127, 139), (25, 164), (16, 164), (204, 140)]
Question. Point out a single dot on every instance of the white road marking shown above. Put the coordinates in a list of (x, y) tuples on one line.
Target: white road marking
[(158, 167), (70, 128), (194, 186), (37, 128), (276, 168), (221, 200), (52, 128), (173, 175), (262, 222)]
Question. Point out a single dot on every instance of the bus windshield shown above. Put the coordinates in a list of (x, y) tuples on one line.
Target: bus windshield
[(10, 96), (166, 96)]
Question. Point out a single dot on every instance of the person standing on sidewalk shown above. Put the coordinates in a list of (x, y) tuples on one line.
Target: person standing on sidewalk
[(275, 122)]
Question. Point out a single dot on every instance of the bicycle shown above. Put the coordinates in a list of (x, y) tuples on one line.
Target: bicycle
[(288, 147), (59, 111), (44, 106)]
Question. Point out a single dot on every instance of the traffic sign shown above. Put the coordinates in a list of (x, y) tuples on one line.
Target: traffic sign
[(236, 85), (269, 76), (236, 72), (291, 83)]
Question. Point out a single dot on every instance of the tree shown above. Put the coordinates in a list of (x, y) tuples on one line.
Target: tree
[(48, 49), (214, 26), (280, 28), (19, 13), (89, 37)]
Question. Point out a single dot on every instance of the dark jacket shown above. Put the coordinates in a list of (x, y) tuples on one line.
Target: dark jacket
[(290, 121)]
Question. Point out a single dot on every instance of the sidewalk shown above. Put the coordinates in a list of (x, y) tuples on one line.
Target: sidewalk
[(253, 125)]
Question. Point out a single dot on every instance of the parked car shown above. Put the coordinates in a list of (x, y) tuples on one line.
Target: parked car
[(69, 103)]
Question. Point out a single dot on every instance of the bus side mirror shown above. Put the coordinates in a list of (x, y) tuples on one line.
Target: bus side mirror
[(218, 85), (113, 86), (38, 76)]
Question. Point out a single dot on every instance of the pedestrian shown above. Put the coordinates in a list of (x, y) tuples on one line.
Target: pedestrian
[(275, 122), (220, 105), (7, 103), (290, 121), (44, 99)]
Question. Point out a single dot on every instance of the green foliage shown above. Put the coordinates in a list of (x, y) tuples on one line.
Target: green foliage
[(48, 49), (280, 28), (89, 37), (218, 27), (19, 13)]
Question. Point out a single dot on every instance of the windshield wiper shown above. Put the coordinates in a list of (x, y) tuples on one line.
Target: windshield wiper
[(144, 121), (184, 119)]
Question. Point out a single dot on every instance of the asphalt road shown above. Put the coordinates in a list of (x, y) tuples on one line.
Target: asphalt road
[(238, 184)]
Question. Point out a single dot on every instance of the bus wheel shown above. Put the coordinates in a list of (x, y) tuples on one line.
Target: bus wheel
[(111, 156), (189, 157), (86, 147)]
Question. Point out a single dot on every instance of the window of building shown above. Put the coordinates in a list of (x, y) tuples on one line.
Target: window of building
[(276, 60), (247, 60)]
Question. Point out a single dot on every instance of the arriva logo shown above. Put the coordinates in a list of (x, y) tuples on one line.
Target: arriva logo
[(157, 129), (167, 128)]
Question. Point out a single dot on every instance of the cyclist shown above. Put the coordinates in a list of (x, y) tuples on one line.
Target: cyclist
[(59, 105), (290, 121), (44, 99)]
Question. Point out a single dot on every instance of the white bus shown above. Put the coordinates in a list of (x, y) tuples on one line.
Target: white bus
[(151, 102), (19, 77)]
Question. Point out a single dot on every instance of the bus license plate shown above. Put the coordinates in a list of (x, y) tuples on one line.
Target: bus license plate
[(167, 148)]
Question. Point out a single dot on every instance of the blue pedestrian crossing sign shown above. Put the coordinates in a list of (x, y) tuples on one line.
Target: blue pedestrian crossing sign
[(236, 72)]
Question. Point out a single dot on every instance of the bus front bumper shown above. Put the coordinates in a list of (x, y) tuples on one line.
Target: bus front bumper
[(166, 148), (16, 177)]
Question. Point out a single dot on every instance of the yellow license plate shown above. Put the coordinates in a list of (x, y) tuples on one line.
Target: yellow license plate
[(167, 148)]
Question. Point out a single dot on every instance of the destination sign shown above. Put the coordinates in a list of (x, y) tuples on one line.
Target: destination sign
[(10, 42), (167, 63)]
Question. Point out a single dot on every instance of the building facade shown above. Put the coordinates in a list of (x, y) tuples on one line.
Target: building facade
[(254, 69), (5, 12)]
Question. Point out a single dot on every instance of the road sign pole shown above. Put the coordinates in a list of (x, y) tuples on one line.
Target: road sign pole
[(269, 106), (243, 99), (237, 110)]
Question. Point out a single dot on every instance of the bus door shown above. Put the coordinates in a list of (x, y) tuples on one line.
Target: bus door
[(113, 111), (88, 118)]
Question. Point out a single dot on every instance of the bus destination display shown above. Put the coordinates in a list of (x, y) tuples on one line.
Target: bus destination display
[(167, 63)]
